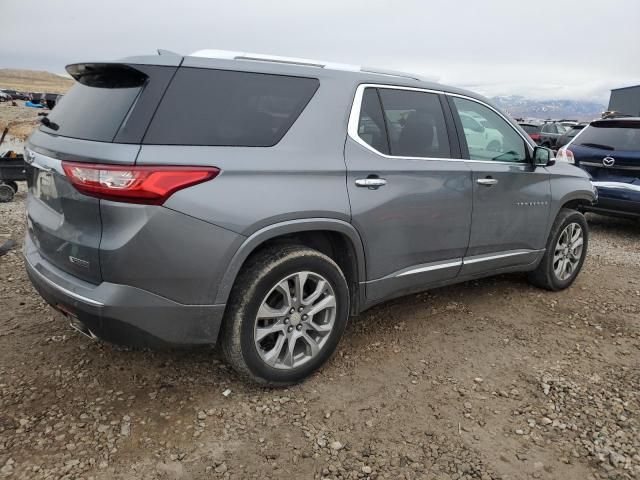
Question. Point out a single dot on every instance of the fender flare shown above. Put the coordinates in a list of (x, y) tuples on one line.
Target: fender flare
[(284, 228)]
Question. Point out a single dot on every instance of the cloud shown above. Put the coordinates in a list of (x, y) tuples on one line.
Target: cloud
[(550, 49)]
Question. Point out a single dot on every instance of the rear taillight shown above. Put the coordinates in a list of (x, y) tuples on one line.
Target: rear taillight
[(535, 136), (151, 185), (565, 155)]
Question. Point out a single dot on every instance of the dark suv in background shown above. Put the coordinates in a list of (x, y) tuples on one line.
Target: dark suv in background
[(258, 202), (609, 150), (550, 134)]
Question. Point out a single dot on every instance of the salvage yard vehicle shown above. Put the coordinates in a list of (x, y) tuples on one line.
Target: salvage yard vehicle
[(293, 194), (609, 150), (550, 134)]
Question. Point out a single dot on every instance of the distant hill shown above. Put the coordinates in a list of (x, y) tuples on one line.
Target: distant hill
[(33, 81), (518, 106)]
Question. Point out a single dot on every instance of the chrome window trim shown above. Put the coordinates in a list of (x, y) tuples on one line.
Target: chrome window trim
[(354, 120), (74, 295)]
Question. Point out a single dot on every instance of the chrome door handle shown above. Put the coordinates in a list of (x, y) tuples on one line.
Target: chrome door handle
[(371, 182), (487, 182)]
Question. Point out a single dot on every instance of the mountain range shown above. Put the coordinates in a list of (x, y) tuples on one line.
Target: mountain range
[(518, 106)]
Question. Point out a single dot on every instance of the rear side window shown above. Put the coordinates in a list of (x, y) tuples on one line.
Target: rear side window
[(229, 108), (612, 135), (415, 123), (403, 123), (95, 107)]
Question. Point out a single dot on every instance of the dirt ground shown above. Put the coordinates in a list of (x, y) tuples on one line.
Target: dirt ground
[(20, 119), (489, 379)]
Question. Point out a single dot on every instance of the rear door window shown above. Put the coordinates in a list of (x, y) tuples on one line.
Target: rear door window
[(229, 108), (415, 123)]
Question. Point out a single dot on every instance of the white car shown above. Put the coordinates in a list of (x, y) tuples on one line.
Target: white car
[(480, 137)]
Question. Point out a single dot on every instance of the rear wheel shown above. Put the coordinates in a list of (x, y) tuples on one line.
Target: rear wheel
[(6, 193), (287, 312), (13, 185), (565, 252)]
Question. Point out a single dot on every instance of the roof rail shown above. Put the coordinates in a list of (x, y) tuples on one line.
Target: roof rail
[(259, 57), (390, 73)]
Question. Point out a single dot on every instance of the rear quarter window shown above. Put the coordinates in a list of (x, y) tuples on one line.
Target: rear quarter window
[(91, 113), (229, 108)]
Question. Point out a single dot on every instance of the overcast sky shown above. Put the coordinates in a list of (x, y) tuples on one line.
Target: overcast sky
[(576, 49)]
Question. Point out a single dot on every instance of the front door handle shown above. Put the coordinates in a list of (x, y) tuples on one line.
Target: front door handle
[(487, 182), (372, 183)]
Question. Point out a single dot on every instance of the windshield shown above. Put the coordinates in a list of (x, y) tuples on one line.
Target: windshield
[(611, 136)]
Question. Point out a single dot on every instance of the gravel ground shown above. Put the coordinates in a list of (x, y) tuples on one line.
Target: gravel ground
[(485, 380)]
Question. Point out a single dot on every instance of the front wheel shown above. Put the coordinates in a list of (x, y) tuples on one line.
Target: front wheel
[(287, 311), (565, 252)]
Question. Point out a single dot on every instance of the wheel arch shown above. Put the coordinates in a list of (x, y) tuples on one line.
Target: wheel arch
[(336, 238)]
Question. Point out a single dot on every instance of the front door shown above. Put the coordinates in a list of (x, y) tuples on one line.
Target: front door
[(511, 197), (410, 200)]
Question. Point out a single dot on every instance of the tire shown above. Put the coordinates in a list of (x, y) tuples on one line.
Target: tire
[(13, 185), (6, 193), (546, 274), (259, 288)]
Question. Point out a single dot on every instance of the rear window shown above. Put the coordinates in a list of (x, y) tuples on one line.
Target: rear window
[(611, 136), (229, 108), (530, 128), (95, 107)]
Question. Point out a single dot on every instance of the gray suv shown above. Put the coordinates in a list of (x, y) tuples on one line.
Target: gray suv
[(259, 202)]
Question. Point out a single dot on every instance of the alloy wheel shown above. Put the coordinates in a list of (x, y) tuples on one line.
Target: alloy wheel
[(295, 320), (568, 251)]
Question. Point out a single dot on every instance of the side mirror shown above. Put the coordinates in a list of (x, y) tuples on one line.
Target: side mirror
[(543, 157)]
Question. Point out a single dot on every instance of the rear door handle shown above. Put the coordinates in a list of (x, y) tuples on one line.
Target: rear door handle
[(487, 182), (371, 182)]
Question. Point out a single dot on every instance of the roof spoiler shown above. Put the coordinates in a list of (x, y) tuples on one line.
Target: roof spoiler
[(106, 75)]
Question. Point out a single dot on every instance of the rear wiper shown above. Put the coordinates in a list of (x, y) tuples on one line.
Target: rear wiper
[(598, 145), (48, 123)]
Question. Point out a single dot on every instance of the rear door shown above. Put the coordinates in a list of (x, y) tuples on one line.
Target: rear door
[(511, 198), (410, 193), (64, 226)]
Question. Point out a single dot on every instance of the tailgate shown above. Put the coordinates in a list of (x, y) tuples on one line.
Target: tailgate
[(101, 120), (63, 223)]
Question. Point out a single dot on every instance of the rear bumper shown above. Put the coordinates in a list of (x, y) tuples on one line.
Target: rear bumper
[(122, 314), (616, 198)]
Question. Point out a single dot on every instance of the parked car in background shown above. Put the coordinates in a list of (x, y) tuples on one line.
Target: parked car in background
[(4, 96), (609, 150), (550, 134), (571, 132), (532, 130), (291, 195)]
